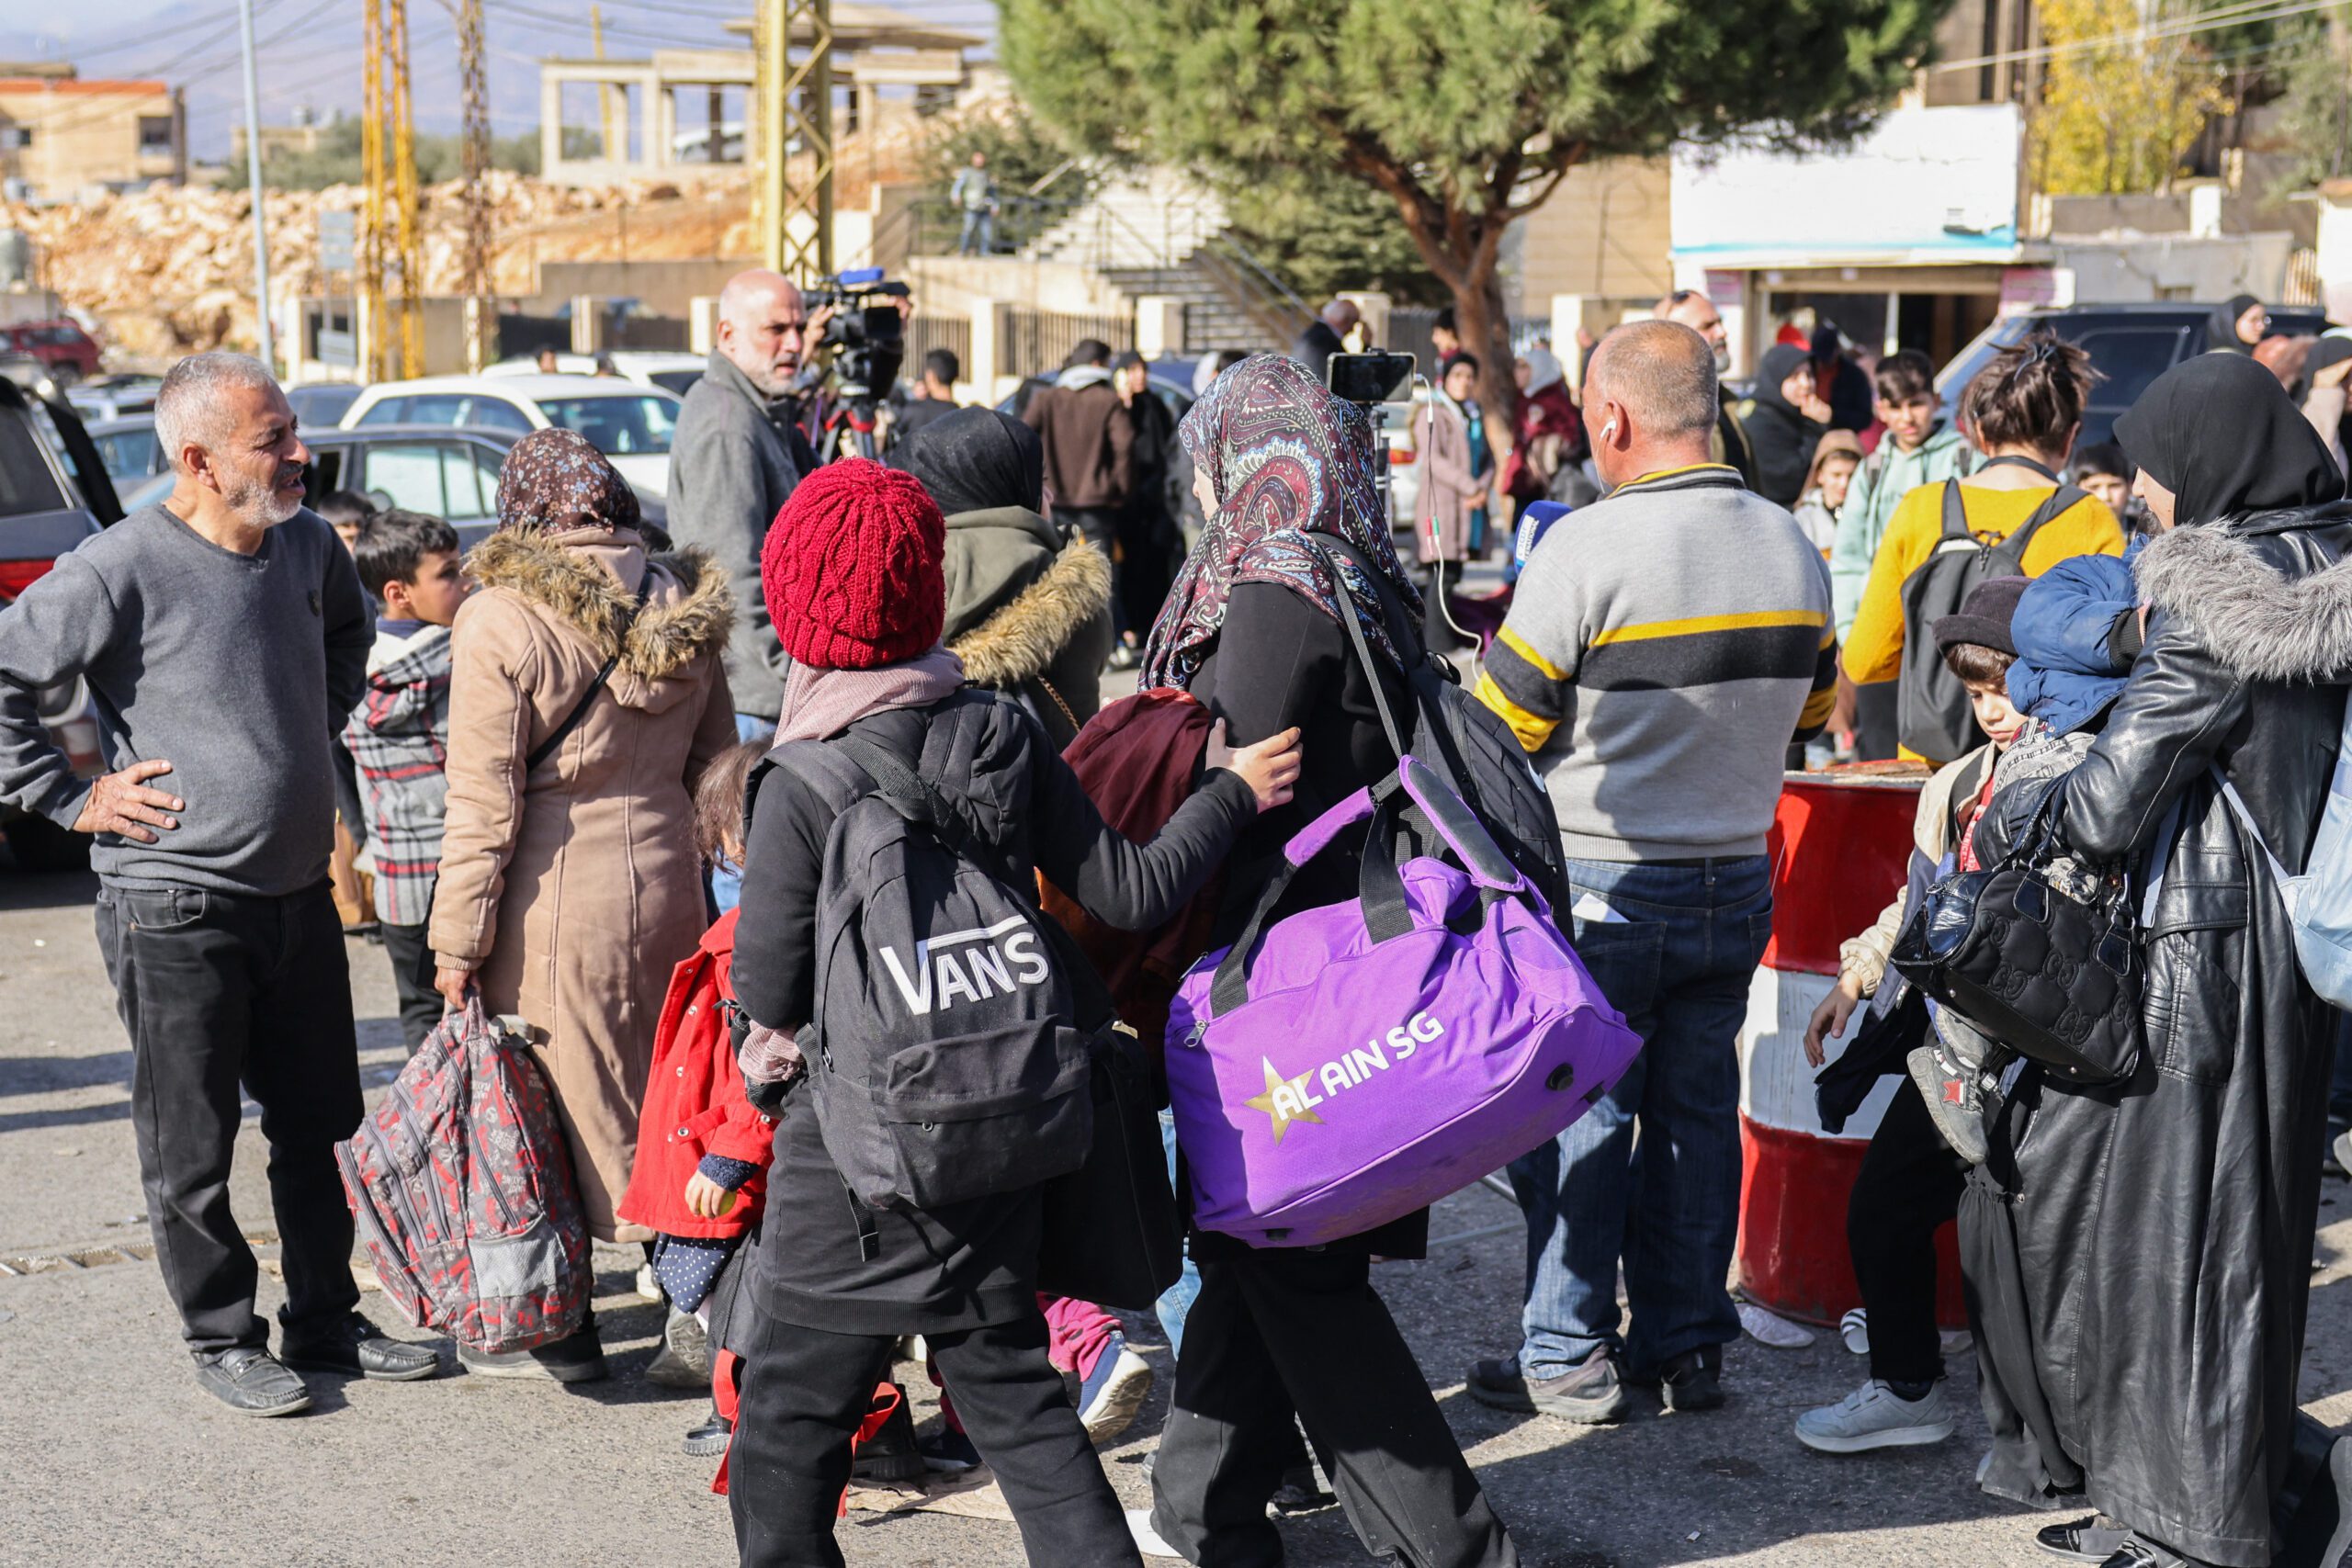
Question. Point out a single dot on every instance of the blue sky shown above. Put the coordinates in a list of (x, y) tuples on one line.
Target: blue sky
[(311, 50)]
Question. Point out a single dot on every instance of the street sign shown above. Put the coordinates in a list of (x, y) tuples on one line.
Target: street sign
[(338, 239), (341, 349)]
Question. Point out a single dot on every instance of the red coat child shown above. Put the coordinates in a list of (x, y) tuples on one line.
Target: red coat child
[(695, 1105)]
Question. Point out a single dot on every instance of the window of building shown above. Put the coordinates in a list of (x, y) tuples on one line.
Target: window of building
[(155, 135)]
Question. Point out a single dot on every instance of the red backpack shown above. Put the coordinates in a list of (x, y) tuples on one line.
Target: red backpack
[(463, 1192)]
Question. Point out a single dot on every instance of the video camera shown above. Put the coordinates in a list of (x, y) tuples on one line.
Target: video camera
[(867, 335)]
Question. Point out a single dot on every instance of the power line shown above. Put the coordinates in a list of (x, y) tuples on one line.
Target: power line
[(2206, 22)]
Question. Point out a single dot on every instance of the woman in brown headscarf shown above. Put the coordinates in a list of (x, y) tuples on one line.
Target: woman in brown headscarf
[(586, 699)]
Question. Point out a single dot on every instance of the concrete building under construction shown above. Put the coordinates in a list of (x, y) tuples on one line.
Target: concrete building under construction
[(883, 64)]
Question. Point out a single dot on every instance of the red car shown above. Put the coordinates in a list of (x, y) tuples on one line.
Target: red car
[(68, 351)]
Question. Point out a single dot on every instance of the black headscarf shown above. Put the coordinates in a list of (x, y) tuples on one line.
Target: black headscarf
[(2222, 328), (2220, 432), (1784, 438), (976, 459)]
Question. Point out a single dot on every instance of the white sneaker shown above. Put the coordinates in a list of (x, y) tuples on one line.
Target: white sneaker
[(1770, 1328), (1872, 1416), (1854, 1328), (1147, 1539), (648, 1286)]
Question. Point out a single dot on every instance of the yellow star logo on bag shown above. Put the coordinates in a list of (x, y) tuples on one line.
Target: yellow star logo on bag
[(1285, 1101)]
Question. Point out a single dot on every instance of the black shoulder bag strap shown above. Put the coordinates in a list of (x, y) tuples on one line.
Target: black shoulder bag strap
[(1955, 516), (545, 749), (2062, 500)]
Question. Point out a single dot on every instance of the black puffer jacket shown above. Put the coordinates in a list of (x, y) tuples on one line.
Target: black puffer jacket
[(971, 1263), (2141, 1253)]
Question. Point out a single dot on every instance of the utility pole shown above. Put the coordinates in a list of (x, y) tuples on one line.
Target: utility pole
[(605, 138), (371, 152), (253, 177), (796, 104), (411, 245), (477, 174)]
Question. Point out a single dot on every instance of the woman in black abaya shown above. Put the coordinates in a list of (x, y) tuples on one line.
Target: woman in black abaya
[(2139, 1254)]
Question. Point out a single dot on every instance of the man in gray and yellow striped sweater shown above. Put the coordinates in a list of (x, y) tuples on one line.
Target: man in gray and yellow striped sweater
[(1664, 648)]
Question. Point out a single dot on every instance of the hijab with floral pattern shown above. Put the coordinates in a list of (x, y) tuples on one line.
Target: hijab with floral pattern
[(554, 481), (1285, 458)]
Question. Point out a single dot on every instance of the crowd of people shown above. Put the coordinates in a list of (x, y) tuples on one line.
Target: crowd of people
[(601, 773)]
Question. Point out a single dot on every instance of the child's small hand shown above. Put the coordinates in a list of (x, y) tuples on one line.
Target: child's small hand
[(1829, 1020), (706, 1199)]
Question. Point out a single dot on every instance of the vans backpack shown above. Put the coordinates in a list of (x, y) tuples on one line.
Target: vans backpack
[(950, 1062), (1932, 715), (1449, 728), (462, 1191)]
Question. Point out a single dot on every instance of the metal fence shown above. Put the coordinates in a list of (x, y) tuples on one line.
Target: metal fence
[(1040, 341), (926, 332)]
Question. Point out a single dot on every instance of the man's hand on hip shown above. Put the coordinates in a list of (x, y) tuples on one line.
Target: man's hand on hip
[(121, 804)]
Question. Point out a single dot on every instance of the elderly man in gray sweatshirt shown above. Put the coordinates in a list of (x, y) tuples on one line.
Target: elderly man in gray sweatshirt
[(224, 637)]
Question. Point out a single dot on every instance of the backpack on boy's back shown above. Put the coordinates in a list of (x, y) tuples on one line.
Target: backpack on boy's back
[(462, 1190)]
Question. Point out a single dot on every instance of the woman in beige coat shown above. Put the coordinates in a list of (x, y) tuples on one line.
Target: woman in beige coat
[(570, 890), (1457, 484)]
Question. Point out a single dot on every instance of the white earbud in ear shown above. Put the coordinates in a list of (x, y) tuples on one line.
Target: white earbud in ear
[(1609, 430)]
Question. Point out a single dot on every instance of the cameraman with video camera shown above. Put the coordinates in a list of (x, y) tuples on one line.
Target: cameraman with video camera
[(734, 460)]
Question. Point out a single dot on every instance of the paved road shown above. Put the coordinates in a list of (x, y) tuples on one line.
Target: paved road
[(109, 1454)]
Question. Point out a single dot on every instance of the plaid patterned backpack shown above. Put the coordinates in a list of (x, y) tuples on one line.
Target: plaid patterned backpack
[(463, 1192)]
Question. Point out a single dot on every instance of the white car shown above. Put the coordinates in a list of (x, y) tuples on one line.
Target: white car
[(630, 423), (670, 370)]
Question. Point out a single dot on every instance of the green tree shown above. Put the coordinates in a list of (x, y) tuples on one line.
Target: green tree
[(1465, 114), (2313, 68)]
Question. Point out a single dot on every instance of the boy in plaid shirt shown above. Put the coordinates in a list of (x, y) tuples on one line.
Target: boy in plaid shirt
[(399, 737)]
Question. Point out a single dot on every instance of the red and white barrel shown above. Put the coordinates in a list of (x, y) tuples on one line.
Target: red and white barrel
[(1840, 846)]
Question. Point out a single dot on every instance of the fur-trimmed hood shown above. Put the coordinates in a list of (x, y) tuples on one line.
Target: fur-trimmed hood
[(1023, 639), (2271, 595), (689, 613)]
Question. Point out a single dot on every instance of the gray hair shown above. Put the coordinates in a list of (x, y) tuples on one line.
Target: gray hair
[(1661, 371), (187, 405)]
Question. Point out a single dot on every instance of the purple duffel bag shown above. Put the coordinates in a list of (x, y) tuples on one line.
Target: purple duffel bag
[(1366, 1058)]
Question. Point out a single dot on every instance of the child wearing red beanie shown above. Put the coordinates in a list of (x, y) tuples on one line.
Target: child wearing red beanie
[(852, 575), (851, 570)]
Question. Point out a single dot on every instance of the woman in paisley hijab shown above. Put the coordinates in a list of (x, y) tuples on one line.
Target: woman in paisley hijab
[(1253, 629)]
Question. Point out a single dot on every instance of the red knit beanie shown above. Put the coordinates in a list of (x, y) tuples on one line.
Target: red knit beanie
[(851, 567)]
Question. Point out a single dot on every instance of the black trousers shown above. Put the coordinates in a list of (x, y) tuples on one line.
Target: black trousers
[(1149, 548), (1877, 721), (411, 957), (1277, 1330), (1099, 527), (804, 1390), (1909, 1184), (218, 992)]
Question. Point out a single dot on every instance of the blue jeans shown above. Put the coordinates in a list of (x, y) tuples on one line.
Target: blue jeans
[(727, 880), (1676, 956), (979, 226), (1176, 1301)]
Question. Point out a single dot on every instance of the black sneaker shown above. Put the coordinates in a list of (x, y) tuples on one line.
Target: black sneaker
[(892, 1455), (357, 1347), (710, 1437), (251, 1382), (1693, 1381), (2136, 1552), (950, 1452), (578, 1357), (1589, 1393), (2092, 1539)]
